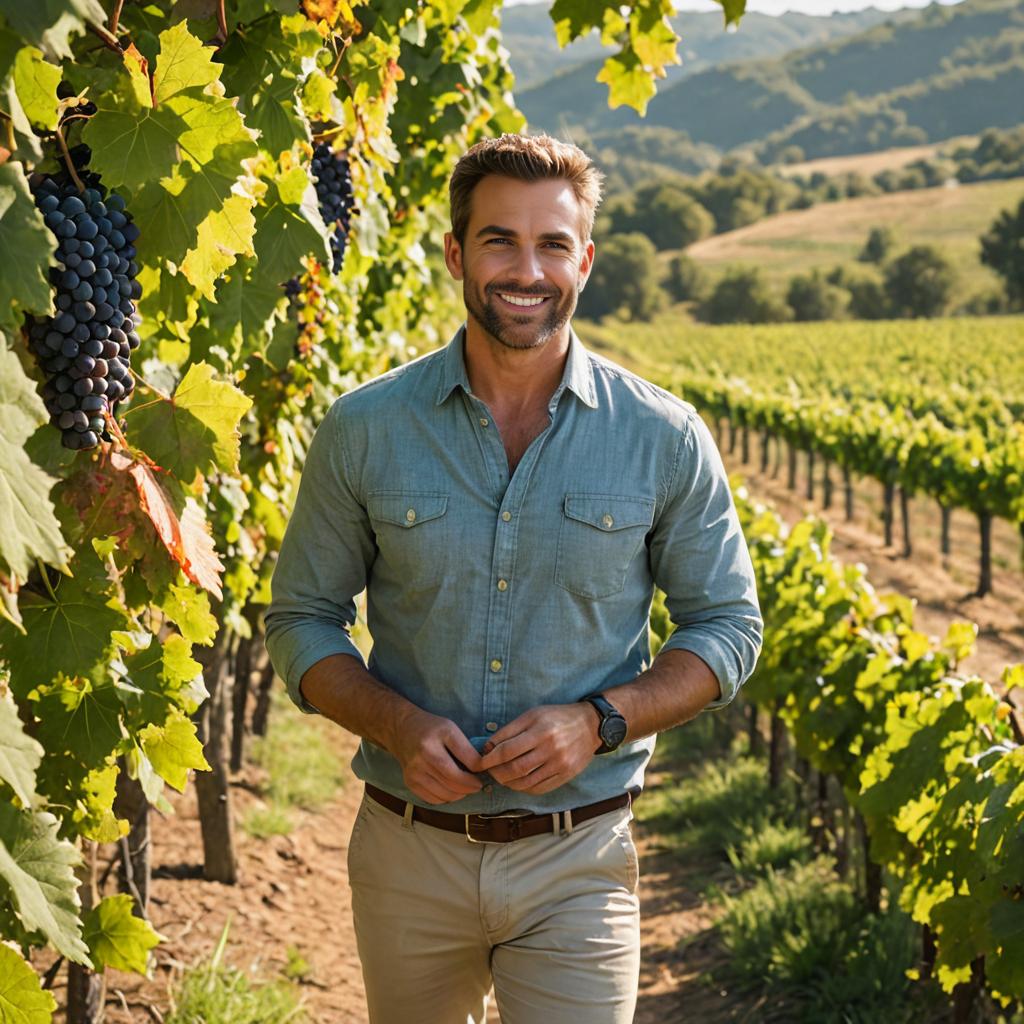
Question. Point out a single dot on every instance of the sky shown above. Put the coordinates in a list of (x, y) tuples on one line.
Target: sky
[(803, 6)]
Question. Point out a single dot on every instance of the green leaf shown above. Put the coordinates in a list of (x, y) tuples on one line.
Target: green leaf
[(116, 937), (30, 526), (245, 310), (38, 869), (80, 716), (23, 1000), (733, 9), (26, 250), (173, 749), (36, 83), (184, 63), (48, 23), (159, 672), (19, 753), (189, 609), (628, 82), (196, 431), (69, 635), (287, 233), (224, 235)]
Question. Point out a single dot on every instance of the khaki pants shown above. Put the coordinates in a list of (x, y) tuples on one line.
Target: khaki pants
[(552, 920)]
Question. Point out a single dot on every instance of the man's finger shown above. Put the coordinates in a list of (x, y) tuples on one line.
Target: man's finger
[(506, 750), (518, 768)]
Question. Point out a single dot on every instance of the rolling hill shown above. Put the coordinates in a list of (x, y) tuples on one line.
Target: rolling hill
[(919, 76)]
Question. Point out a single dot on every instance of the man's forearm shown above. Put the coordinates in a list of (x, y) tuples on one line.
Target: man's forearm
[(676, 688), (343, 691)]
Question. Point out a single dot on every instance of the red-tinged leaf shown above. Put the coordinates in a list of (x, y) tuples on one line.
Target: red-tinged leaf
[(186, 537)]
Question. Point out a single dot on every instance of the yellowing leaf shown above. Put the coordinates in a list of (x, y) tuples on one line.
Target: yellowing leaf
[(116, 937), (173, 749), (224, 235)]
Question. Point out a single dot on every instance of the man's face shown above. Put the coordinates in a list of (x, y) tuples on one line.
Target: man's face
[(523, 260)]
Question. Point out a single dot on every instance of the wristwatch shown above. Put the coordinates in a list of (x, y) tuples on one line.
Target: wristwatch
[(612, 729)]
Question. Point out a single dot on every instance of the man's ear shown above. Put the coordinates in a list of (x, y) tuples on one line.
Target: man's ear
[(453, 255), (586, 263)]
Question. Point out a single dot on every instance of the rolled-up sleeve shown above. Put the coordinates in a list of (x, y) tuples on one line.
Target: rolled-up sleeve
[(700, 559), (325, 556)]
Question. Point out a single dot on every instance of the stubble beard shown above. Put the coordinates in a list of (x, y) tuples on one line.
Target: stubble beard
[(501, 326)]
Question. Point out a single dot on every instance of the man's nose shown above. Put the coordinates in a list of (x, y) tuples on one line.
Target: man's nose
[(527, 267)]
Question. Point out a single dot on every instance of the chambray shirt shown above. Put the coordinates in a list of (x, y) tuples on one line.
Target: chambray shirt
[(490, 593)]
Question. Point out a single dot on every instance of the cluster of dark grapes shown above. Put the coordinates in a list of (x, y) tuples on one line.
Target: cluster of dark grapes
[(85, 347), (333, 179)]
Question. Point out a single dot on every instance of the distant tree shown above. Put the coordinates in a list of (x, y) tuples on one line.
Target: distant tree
[(811, 297), (919, 283), (687, 280), (868, 300), (743, 296), (669, 217), (878, 246), (791, 155), (624, 279), (1002, 249)]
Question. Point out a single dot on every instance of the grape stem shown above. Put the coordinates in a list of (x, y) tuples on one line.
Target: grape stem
[(1016, 721), (108, 37), (116, 16), (68, 161)]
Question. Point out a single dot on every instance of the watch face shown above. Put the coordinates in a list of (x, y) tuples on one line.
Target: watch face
[(613, 731)]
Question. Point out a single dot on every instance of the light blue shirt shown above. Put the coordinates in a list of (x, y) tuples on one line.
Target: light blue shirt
[(489, 594)]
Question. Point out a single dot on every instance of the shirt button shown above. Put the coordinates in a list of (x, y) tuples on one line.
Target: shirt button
[(496, 665), (503, 584), (484, 421), (506, 516), (411, 515), (491, 726), (607, 522)]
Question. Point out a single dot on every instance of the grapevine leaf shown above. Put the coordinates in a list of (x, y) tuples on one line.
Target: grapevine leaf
[(48, 23), (196, 430), (20, 754), (30, 527), (39, 870), (173, 749), (70, 634), (1004, 968), (733, 10), (185, 535), (23, 1000), (287, 232), (628, 81), (190, 610), (26, 250), (36, 83), (94, 805), (223, 236), (27, 146), (574, 18), (160, 672), (80, 716), (116, 937), (244, 312)]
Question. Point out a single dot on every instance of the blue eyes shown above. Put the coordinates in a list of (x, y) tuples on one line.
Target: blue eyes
[(508, 241)]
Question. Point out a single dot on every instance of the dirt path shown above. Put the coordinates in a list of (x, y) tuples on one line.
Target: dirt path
[(294, 890)]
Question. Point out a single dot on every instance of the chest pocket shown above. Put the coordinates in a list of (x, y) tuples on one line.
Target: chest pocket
[(412, 529), (599, 537)]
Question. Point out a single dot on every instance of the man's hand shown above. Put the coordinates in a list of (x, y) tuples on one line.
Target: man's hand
[(543, 748), (427, 746)]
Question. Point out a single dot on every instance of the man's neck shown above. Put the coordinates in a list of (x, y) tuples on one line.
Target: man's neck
[(513, 379)]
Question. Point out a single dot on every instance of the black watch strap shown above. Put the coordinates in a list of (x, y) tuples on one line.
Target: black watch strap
[(612, 728)]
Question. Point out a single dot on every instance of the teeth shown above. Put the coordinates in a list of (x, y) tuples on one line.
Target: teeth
[(519, 301)]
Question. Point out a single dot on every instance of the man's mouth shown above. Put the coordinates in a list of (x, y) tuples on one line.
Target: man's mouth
[(525, 301)]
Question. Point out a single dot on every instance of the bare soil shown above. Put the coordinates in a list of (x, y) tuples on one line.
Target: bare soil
[(293, 889)]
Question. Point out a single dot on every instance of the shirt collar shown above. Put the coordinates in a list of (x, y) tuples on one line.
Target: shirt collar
[(578, 375)]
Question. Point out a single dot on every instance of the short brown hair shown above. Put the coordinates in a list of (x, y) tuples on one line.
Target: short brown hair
[(525, 158)]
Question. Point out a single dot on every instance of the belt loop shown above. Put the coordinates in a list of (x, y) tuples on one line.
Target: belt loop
[(556, 823), (568, 822), (407, 817)]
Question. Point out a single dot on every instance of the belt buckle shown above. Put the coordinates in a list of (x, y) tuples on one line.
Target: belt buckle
[(501, 814)]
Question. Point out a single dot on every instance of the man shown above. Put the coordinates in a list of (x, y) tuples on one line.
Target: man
[(509, 503)]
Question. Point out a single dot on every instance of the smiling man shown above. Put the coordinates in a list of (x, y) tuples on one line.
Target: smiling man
[(509, 503)]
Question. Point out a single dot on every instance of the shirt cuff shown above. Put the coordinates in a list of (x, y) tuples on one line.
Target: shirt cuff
[(715, 655), (332, 641)]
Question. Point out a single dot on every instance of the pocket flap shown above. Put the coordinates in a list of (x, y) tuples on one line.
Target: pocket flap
[(407, 508), (609, 512)]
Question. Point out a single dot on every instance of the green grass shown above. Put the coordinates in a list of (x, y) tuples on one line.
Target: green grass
[(214, 993), (303, 769)]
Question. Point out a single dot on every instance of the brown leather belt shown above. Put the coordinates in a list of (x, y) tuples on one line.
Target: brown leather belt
[(501, 828)]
